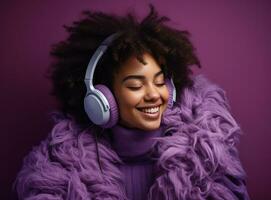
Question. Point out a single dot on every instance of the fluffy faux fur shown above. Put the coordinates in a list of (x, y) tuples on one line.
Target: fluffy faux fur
[(197, 159)]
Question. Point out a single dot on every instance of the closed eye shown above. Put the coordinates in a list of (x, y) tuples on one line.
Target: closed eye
[(160, 84), (135, 88)]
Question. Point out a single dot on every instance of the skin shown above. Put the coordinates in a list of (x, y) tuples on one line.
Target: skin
[(137, 86)]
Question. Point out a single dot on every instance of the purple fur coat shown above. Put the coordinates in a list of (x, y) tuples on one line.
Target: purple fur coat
[(197, 159)]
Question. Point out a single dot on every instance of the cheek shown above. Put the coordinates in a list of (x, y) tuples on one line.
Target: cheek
[(127, 99)]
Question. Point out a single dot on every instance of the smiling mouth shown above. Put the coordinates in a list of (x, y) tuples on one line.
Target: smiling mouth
[(151, 110)]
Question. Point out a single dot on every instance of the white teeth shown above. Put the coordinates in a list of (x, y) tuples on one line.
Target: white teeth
[(151, 110)]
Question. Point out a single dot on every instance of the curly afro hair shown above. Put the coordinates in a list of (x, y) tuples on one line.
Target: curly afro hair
[(171, 48)]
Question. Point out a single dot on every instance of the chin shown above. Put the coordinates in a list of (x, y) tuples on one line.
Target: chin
[(150, 126)]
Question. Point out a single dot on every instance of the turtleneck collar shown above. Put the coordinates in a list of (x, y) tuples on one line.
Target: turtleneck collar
[(129, 142)]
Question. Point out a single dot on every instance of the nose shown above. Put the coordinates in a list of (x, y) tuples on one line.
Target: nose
[(151, 93)]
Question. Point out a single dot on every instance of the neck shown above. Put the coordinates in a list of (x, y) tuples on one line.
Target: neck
[(130, 142)]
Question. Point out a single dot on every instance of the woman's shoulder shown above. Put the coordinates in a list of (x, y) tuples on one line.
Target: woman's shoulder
[(65, 161), (65, 137), (51, 165)]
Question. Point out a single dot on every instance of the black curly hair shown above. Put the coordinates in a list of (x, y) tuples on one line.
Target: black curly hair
[(171, 48)]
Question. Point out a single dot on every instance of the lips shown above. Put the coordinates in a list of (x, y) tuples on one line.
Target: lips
[(150, 110), (150, 113)]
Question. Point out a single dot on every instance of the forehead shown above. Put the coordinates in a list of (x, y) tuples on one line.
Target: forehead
[(134, 66)]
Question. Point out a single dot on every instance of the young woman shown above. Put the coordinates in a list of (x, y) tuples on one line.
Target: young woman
[(164, 133)]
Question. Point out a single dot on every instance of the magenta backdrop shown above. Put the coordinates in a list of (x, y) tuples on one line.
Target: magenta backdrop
[(232, 39)]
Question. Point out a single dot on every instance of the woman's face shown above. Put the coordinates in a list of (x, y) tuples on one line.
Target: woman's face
[(141, 93)]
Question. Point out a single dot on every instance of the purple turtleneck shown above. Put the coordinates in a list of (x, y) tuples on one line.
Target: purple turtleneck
[(133, 146)]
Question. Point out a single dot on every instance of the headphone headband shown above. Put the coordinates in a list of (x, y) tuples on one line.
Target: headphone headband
[(95, 58)]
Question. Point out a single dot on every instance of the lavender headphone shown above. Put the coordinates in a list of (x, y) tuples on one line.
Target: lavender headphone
[(99, 102)]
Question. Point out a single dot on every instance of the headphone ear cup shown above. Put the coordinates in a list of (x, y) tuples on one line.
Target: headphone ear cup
[(114, 114), (94, 105), (171, 89)]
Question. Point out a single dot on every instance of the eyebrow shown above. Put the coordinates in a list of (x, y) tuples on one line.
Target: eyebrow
[(140, 76)]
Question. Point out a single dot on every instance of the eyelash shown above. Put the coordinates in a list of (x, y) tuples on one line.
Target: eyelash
[(134, 88), (137, 88), (160, 84)]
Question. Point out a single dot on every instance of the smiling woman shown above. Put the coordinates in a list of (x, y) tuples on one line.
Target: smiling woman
[(161, 133), (141, 93)]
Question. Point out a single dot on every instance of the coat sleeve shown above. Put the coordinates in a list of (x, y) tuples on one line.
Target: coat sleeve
[(40, 178), (48, 172), (212, 111)]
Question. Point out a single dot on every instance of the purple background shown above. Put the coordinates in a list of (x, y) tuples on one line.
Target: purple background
[(232, 40)]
